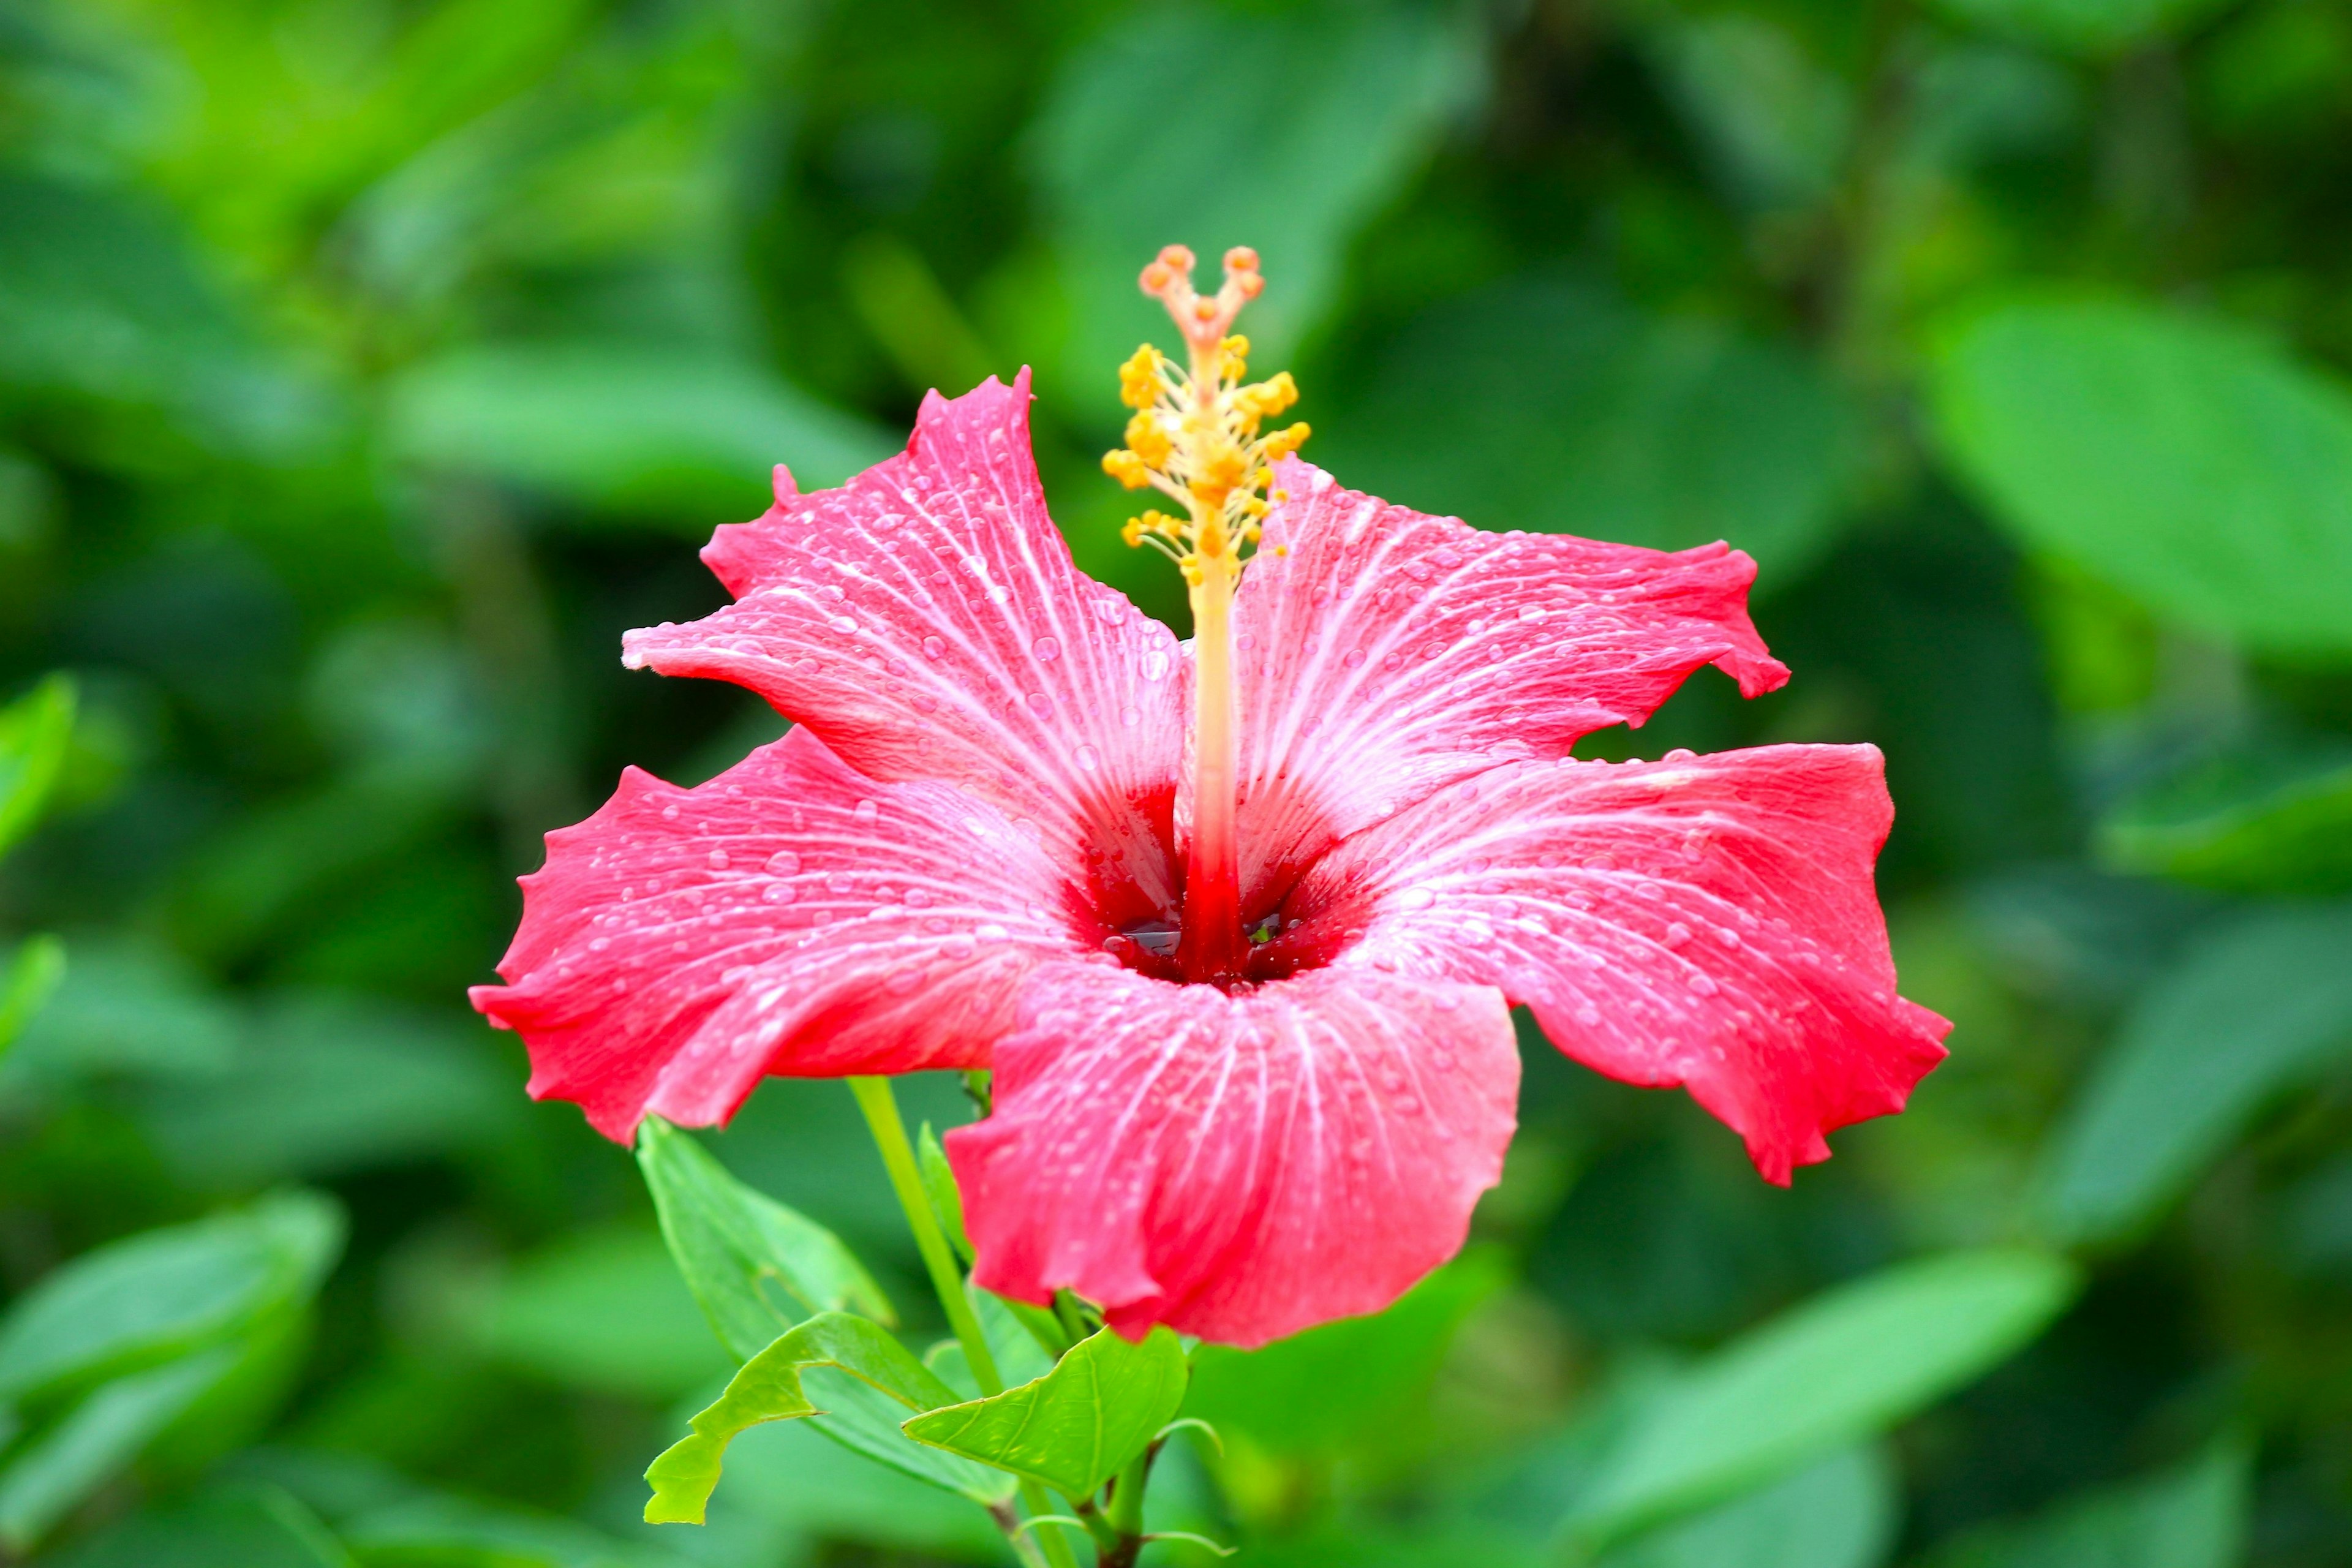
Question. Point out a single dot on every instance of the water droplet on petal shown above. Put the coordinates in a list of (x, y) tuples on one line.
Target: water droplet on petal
[(867, 810), (718, 858), (845, 626), (1046, 648), (991, 932), (1354, 658), (777, 893), (933, 648), (1088, 757), (1416, 898), (783, 862), (1155, 665), (1039, 704), (1704, 984)]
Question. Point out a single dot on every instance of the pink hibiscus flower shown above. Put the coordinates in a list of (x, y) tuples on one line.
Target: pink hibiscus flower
[(1236, 923)]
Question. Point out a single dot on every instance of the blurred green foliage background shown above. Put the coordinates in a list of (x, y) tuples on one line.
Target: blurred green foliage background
[(368, 366)]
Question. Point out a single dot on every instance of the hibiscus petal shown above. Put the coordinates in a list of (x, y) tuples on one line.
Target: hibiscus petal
[(787, 917), (926, 621), (1703, 920), (1382, 654), (1238, 1167)]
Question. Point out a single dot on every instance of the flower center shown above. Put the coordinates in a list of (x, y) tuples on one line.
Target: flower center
[(1195, 438)]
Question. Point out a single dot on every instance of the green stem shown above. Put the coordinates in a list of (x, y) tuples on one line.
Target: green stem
[(881, 1109), (1126, 1511)]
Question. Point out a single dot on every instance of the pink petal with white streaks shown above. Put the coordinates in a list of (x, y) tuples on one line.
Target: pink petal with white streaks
[(926, 621), (1709, 922), (787, 917), (1382, 654), (1242, 1166)]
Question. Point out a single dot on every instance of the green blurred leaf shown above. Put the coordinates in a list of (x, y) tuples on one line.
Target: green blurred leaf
[(1777, 124), (163, 1294), (325, 1084), (125, 1006), (2082, 26), (1076, 1427), (1850, 1362), (2267, 819), (2195, 1516), (739, 1249), (1327, 1388), (603, 1310), (2258, 1006), (26, 983), (1840, 1512), (34, 734), (630, 428), (101, 296), (1666, 432), (232, 1527), (2186, 461), (1299, 127), (65, 1464), (445, 1531), (243, 887), (768, 1388)]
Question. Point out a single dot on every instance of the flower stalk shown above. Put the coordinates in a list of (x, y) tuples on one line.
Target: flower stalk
[(881, 1109), (1196, 438)]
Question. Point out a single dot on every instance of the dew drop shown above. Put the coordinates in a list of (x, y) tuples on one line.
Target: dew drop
[(867, 810), (1088, 757), (777, 893), (1045, 649), (991, 932), (1354, 659), (1039, 704), (933, 648), (1677, 935), (1704, 984), (783, 862), (718, 858), (1416, 898), (845, 626), (669, 812), (1155, 665)]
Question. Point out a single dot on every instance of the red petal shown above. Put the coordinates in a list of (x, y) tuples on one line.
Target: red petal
[(1239, 1167), (787, 917), (1706, 920), (926, 621), (1382, 655)]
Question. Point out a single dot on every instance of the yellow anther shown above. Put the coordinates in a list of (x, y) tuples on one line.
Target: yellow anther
[(1196, 431), (1147, 437), (1138, 378), (1125, 468)]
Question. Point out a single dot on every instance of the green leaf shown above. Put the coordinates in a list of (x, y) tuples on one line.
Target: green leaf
[(2080, 26), (1331, 1387), (161, 1295), (231, 1527), (2195, 1516), (793, 1477), (1301, 125), (600, 1309), (768, 1388), (1851, 1362), (2187, 462), (2272, 819), (625, 428), (1073, 1428), (1839, 1513), (31, 976), (34, 733), (738, 1248), (1666, 432), (97, 1437), (2250, 1010)]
